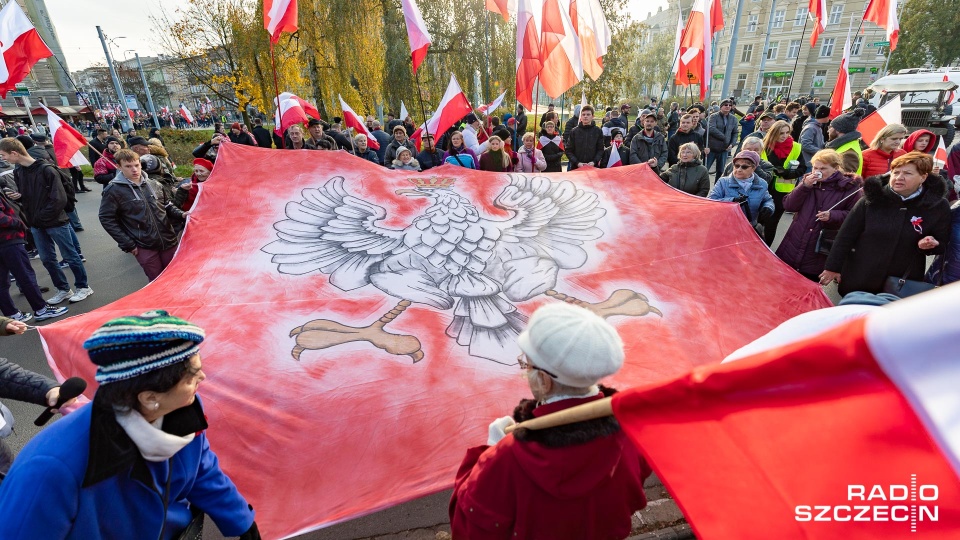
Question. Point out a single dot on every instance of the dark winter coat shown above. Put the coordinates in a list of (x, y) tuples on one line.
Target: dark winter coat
[(262, 136), (383, 139), (721, 131), (325, 142), (139, 216), (20, 384), (949, 272), (43, 198), (798, 248), (552, 152), (581, 480), (644, 148), (691, 177), (12, 228), (207, 150), (584, 144), (622, 150), (429, 160), (369, 154), (97, 144), (307, 144), (679, 139), (241, 138), (877, 240)]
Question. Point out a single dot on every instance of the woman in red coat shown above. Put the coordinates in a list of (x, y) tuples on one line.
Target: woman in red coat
[(577, 481), (883, 150)]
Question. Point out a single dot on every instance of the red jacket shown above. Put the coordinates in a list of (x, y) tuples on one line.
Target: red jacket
[(546, 485), (878, 162)]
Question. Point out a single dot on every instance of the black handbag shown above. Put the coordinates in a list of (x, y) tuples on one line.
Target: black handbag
[(903, 287), (825, 241), (194, 530)]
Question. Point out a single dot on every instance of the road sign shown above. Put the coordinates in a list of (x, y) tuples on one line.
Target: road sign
[(857, 70), (19, 93), (22, 86), (881, 44), (131, 101)]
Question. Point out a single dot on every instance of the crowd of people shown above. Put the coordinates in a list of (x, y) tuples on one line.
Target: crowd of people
[(866, 214)]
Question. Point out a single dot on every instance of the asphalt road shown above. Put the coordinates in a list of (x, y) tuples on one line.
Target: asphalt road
[(113, 274)]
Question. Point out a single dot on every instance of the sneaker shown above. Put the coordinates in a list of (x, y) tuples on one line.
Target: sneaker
[(33, 254), (78, 229), (44, 289), (22, 317), (82, 294), (82, 258), (50, 312), (60, 297), (63, 264)]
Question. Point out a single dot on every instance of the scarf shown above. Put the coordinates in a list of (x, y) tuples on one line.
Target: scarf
[(782, 149), (496, 156), (154, 445)]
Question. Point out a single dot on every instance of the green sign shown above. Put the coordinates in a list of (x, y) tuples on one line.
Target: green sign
[(857, 70), (881, 44), (20, 93), (718, 76), (22, 86), (874, 70), (774, 74)]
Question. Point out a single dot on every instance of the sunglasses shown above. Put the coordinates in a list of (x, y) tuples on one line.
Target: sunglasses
[(742, 166), (524, 364)]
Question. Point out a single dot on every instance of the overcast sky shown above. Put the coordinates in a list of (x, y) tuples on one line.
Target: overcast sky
[(76, 23)]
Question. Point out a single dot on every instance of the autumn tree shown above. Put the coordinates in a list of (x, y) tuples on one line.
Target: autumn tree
[(925, 30)]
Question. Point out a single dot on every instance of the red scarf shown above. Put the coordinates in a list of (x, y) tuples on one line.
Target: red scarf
[(783, 149), (192, 194)]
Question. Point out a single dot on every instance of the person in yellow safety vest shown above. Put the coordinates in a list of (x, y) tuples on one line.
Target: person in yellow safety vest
[(846, 140), (786, 156)]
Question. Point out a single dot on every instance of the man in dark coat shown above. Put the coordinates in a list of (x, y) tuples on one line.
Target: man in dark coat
[(429, 157), (262, 135), (649, 146), (98, 143), (722, 130), (683, 135), (584, 145), (383, 139)]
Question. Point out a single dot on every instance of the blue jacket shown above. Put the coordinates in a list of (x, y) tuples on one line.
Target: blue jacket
[(727, 189), (43, 497), (950, 270)]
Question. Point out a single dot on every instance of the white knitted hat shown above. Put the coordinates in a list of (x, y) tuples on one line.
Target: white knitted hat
[(572, 343)]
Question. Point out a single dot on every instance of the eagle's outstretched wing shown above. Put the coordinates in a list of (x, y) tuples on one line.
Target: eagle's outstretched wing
[(335, 233)]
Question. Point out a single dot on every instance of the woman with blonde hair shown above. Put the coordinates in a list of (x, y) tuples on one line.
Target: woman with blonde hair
[(496, 158), (821, 202), (531, 159), (884, 149), (688, 175), (786, 156)]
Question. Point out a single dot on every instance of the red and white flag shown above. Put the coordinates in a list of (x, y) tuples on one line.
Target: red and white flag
[(279, 16), (529, 64), (884, 13), (308, 108), (940, 155), (416, 32), (288, 114), (614, 160), (185, 113), (698, 35), (842, 98), (355, 121), (683, 55), (559, 49), (493, 105), (504, 8), (590, 25), (452, 108), (850, 434), (889, 113), (818, 10), (20, 45), (67, 141), (716, 16)]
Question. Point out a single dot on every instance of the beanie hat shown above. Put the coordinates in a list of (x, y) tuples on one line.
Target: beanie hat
[(38, 137), (811, 108), (205, 163), (26, 141), (847, 122), (134, 141), (109, 140), (470, 118), (749, 155), (573, 344), (235, 125), (822, 112), (130, 346), (150, 163)]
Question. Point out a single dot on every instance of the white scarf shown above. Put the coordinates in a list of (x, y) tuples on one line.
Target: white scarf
[(154, 445)]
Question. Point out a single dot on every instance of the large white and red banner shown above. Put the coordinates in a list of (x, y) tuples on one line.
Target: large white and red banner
[(361, 322)]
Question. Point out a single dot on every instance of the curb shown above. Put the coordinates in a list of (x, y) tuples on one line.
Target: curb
[(678, 532)]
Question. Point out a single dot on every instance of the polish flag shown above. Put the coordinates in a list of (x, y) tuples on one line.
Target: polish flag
[(20, 45), (504, 8), (716, 17), (279, 16), (614, 160), (492, 106), (884, 13), (590, 24), (799, 427), (818, 9), (842, 97), (559, 49), (453, 107), (306, 106), (682, 66), (698, 36), (289, 113), (940, 156), (416, 32), (353, 120), (185, 113), (529, 63), (67, 141), (889, 113)]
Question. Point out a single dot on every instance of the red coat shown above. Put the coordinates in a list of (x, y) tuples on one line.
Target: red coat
[(548, 485), (878, 162)]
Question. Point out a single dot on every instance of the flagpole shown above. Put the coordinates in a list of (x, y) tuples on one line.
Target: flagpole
[(276, 86), (803, 34), (423, 110)]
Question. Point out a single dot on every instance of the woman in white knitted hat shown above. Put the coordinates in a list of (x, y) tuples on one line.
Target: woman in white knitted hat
[(581, 480)]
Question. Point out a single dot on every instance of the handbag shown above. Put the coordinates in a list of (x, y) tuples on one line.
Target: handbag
[(194, 530), (903, 287), (825, 241)]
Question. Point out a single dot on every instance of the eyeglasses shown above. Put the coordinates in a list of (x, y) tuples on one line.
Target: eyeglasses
[(742, 166), (524, 364)]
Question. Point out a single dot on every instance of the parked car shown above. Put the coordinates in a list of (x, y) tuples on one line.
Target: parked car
[(927, 98)]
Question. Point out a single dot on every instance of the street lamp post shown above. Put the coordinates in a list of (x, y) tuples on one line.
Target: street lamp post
[(146, 88), (125, 121)]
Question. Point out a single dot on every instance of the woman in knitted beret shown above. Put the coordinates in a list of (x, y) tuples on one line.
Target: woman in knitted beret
[(135, 463)]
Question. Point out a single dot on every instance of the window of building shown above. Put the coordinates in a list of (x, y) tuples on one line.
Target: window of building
[(720, 52), (856, 46), (752, 21), (826, 49), (746, 53), (836, 13), (741, 83), (801, 18), (794, 50), (778, 17), (773, 50)]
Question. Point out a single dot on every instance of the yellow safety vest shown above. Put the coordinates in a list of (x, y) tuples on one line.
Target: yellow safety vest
[(855, 146), (785, 185)]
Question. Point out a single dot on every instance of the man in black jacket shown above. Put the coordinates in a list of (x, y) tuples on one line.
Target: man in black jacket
[(649, 146), (135, 211), (98, 143), (260, 133), (43, 200), (584, 146)]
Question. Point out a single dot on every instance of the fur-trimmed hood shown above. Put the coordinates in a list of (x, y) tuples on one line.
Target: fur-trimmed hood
[(567, 435), (876, 189)]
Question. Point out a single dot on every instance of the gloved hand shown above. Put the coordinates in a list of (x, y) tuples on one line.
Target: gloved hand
[(497, 429), (253, 533), (764, 213), (741, 199)]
